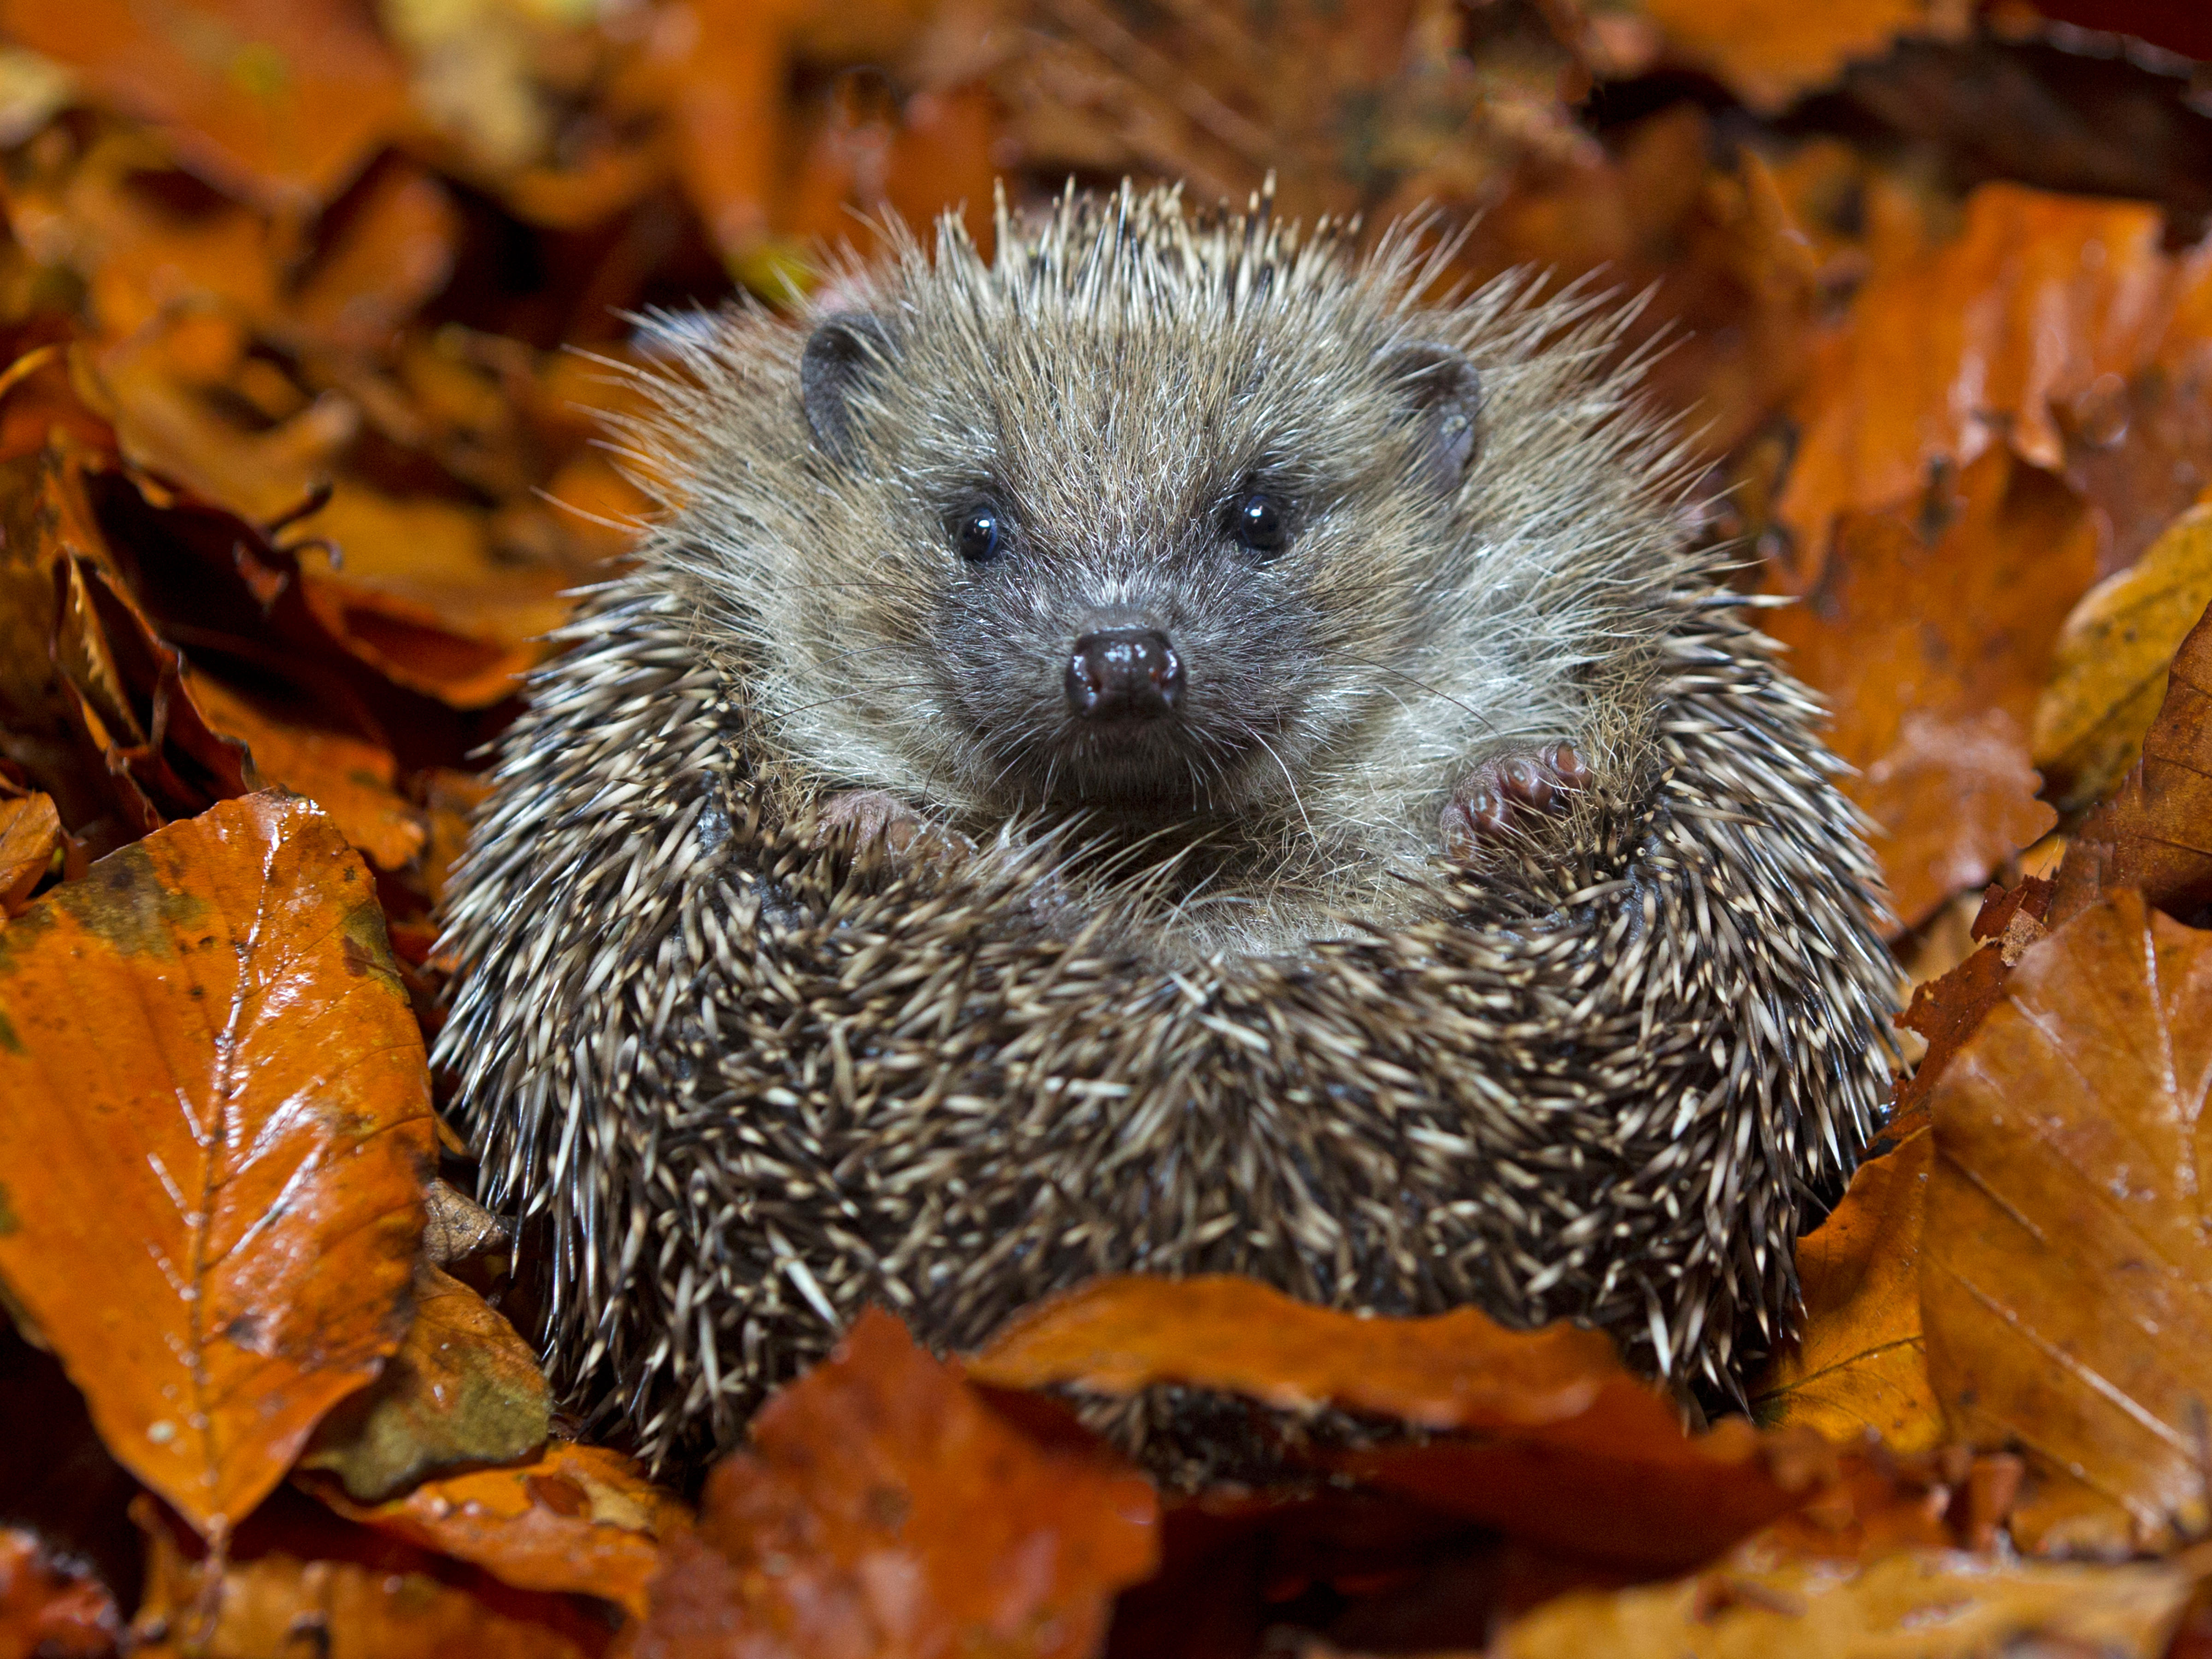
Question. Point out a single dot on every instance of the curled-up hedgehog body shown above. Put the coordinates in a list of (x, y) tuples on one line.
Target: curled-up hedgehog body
[(1159, 751)]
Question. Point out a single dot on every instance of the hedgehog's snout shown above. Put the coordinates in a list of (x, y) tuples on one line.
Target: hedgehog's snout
[(1124, 674)]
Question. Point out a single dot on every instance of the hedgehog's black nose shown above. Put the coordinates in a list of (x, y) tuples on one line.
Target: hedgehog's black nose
[(1124, 674)]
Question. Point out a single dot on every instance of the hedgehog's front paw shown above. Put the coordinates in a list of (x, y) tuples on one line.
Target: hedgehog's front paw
[(877, 818), (1500, 798)]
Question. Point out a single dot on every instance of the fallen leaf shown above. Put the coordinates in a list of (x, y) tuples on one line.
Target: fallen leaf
[(2069, 1156), (724, 67), (49, 1607), (1576, 1453), (2108, 676), (300, 1579), (1767, 54), (1948, 1010), (2152, 834), (580, 1519), (884, 1511), (1928, 1605), (1984, 341), (463, 1387), (276, 101), (1732, 284), (1932, 706), (350, 779), (1859, 1363), (214, 1075), (393, 250), (420, 597), (1460, 1370), (30, 834)]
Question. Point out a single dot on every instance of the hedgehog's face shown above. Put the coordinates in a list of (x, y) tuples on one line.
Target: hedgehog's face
[(1159, 568)]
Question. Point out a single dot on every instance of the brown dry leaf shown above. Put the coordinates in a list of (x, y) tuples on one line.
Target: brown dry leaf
[(1462, 1369), (1578, 1455), (1933, 705), (723, 67), (1859, 1362), (462, 1388), (1930, 1604), (1767, 53), (393, 251), (2152, 834), (2065, 1272), (219, 1125), (580, 1519), (303, 1581), (885, 1511), (420, 596), (1986, 341), (278, 101), (1947, 1011), (2109, 676), (349, 778), (30, 832), (1733, 282), (49, 1608)]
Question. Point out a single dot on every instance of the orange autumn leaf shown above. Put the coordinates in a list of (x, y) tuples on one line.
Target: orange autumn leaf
[(1934, 705), (580, 1519), (1574, 1453), (30, 830), (884, 1511), (1460, 1370), (218, 1126), (304, 1581), (349, 778), (2065, 1270), (1768, 51), (49, 1607), (278, 101), (1931, 1604), (1988, 341), (1859, 1362)]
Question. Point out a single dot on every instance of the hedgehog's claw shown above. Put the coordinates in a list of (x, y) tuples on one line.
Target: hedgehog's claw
[(1497, 798), (876, 818)]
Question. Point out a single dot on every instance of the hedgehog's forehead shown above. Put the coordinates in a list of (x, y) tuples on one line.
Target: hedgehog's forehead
[(1160, 390)]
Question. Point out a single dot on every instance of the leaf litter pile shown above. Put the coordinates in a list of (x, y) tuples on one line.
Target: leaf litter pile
[(309, 307)]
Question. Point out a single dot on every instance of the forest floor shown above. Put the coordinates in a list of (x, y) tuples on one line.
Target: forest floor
[(307, 304)]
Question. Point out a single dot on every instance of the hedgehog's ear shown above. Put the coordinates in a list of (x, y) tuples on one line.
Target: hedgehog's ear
[(843, 353), (1442, 396)]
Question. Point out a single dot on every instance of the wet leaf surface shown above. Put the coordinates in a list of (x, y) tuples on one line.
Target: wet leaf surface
[(580, 1519), (462, 1388), (220, 1119), (48, 1608), (297, 1578)]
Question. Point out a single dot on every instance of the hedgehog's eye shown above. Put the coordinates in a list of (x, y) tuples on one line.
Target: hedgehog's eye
[(981, 532), (1256, 521)]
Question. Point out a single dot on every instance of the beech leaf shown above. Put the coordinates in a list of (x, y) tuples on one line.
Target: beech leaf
[(2066, 1285), (218, 1124)]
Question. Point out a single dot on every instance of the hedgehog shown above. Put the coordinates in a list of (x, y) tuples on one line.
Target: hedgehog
[(1165, 750)]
